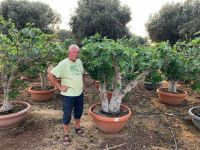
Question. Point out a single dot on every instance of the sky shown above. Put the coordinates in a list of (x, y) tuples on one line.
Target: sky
[(140, 12)]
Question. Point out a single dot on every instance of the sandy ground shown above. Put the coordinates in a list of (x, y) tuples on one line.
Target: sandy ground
[(152, 126)]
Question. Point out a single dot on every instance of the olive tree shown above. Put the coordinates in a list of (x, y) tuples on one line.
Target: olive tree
[(175, 22), (23, 12), (106, 17)]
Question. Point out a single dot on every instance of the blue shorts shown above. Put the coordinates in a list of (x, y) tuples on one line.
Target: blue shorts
[(74, 103)]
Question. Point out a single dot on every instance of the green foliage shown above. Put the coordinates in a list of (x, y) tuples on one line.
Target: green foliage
[(155, 76), (101, 56), (26, 50), (23, 12), (106, 17), (62, 35), (175, 63), (182, 61), (175, 21), (196, 86), (133, 42)]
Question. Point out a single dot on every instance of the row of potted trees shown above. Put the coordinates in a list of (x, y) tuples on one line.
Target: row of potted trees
[(115, 65), (120, 68)]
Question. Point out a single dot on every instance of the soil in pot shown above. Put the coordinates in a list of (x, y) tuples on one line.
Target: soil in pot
[(166, 91), (17, 107), (97, 110), (196, 111), (38, 88)]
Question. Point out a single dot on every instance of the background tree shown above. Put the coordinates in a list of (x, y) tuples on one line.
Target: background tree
[(63, 34), (175, 21), (22, 12), (107, 17)]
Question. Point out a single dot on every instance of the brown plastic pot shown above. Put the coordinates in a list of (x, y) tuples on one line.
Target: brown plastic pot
[(152, 86), (171, 98), (12, 120), (195, 118), (44, 95), (109, 124)]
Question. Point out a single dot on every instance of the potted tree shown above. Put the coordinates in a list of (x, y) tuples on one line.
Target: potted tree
[(153, 80), (13, 54), (193, 52), (121, 66), (46, 48), (175, 68)]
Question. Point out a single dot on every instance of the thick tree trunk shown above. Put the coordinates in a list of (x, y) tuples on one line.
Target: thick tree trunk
[(104, 99), (172, 86), (43, 81), (114, 106), (7, 83)]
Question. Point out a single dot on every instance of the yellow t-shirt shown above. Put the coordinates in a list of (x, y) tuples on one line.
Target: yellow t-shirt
[(71, 74)]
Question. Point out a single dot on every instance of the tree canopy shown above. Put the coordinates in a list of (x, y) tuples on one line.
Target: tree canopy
[(106, 17), (175, 21), (22, 12)]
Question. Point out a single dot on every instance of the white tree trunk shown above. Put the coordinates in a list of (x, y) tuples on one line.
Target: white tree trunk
[(7, 83), (115, 102), (43, 81), (172, 86), (114, 106), (104, 98)]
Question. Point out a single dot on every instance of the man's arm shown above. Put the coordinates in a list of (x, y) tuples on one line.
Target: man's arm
[(54, 82)]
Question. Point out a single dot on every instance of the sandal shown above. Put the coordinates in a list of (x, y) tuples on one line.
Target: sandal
[(66, 140), (80, 132)]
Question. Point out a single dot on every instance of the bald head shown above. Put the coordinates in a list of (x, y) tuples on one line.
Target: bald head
[(73, 52)]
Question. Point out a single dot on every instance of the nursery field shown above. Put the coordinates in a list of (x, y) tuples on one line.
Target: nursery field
[(152, 126)]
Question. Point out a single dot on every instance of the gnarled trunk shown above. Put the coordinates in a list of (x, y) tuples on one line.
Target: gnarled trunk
[(7, 84), (104, 98), (43, 80), (172, 86), (118, 94)]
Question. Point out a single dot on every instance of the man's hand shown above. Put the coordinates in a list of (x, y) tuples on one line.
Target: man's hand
[(63, 88)]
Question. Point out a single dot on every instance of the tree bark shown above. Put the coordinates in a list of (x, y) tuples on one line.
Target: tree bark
[(172, 86), (114, 106), (104, 98), (7, 84), (43, 81)]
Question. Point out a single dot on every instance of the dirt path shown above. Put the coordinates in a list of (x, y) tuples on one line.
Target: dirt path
[(148, 128)]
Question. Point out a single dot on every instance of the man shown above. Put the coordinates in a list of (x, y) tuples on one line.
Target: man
[(70, 70)]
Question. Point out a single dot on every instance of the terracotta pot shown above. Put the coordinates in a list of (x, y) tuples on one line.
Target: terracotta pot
[(109, 124), (12, 120), (97, 84), (171, 98), (44, 95), (195, 119), (151, 86)]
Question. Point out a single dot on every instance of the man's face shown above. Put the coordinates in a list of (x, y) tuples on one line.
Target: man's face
[(73, 54)]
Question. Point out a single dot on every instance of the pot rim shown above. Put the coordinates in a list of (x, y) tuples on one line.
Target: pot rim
[(110, 119), (172, 94), (192, 114), (43, 91), (17, 113), (146, 82)]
